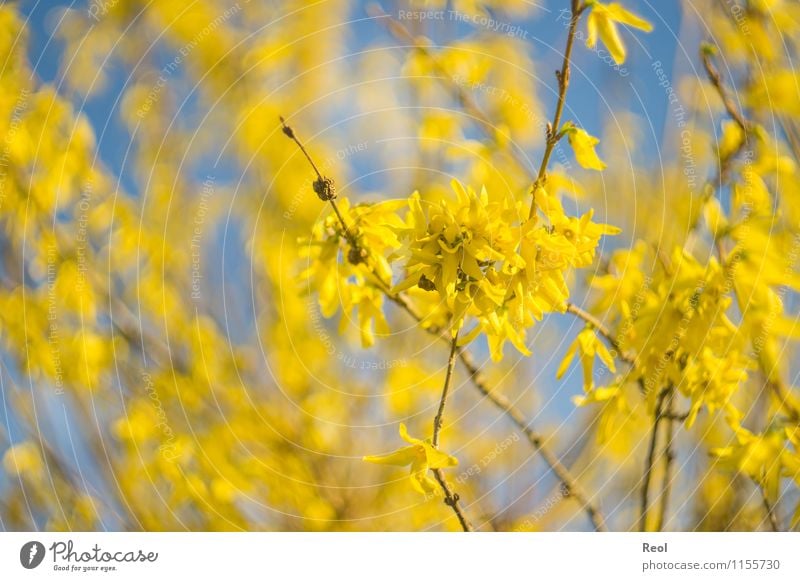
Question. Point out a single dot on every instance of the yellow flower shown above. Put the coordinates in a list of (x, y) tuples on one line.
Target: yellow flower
[(583, 145), (421, 455), (614, 411), (603, 21), (589, 345), (764, 458)]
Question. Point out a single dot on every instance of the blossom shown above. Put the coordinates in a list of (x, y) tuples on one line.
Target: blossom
[(602, 22), (421, 456), (583, 145), (589, 346)]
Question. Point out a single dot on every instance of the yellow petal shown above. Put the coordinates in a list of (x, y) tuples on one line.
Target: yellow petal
[(583, 145), (401, 457), (438, 459), (567, 361), (621, 14)]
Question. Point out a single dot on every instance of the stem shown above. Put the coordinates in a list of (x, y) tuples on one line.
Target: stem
[(723, 172), (727, 100), (451, 362), (769, 509), (351, 235), (650, 462), (554, 135), (451, 499), (669, 458), (563, 473), (289, 132)]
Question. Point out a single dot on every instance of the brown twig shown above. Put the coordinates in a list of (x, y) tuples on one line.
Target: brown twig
[(536, 440), (323, 186), (769, 509), (554, 134), (451, 363), (727, 101), (725, 164), (644, 506), (450, 498), (669, 458)]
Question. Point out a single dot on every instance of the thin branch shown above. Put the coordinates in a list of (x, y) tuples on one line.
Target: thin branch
[(644, 505), (504, 405), (323, 186), (563, 473), (719, 85), (452, 499), (669, 459), (769, 509), (451, 363), (554, 134), (725, 164)]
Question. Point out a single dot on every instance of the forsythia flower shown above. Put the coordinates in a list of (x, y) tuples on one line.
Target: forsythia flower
[(346, 276), (613, 411), (603, 21), (764, 458), (676, 323), (487, 260), (589, 345), (422, 456), (583, 145)]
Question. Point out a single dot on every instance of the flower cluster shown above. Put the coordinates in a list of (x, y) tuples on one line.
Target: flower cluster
[(494, 270)]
